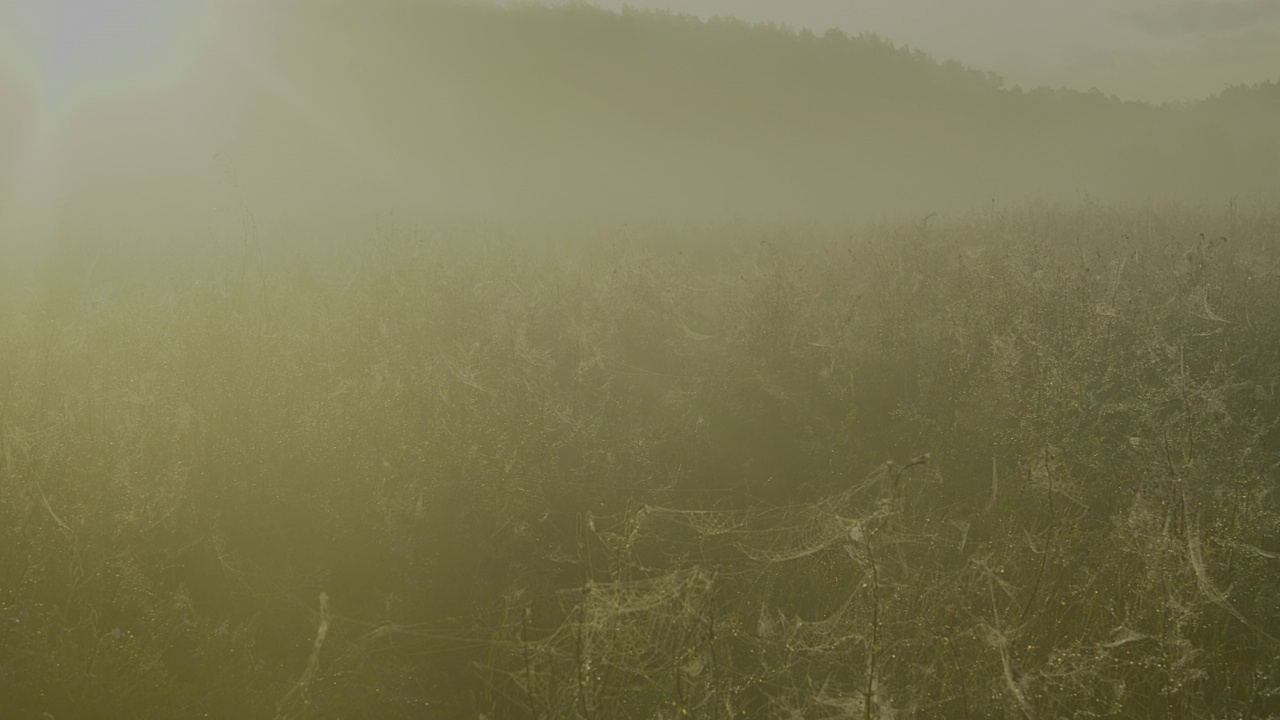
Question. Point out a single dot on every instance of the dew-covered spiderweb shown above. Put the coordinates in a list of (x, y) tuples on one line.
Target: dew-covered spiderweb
[(704, 613)]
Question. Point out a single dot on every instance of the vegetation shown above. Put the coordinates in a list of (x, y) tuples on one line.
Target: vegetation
[(580, 112), (324, 115), (1008, 464), (1012, 463)]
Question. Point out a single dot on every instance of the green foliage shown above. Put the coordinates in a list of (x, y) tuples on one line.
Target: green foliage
[(656, 474)]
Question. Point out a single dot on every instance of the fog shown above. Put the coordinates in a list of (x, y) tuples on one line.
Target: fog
[(409, 359), (1157, 50), (299, 119)]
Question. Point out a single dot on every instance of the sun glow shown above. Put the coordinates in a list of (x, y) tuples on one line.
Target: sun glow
[(84, 51), (69, 69), (119, 113)]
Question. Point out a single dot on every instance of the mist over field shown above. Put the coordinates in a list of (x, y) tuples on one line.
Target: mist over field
[(317, 116), (413, 359)]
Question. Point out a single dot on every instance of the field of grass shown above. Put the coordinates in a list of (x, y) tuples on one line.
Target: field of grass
[(1015, 463)]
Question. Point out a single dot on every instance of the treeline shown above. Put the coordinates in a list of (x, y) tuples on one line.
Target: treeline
[(574, 110), (313, 118)]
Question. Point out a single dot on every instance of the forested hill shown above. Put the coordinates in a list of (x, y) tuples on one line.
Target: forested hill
[(578, 109), (428, 108)]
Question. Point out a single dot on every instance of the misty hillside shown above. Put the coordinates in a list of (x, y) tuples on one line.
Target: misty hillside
[(577, 110), (308, 114)]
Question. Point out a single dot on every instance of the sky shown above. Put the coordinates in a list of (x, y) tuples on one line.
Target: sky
[(1157, 50)]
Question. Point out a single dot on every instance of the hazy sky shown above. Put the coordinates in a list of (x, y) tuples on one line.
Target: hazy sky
[(1139, 49)]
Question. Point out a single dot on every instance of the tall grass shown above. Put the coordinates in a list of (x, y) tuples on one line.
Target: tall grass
[(645, 475)]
